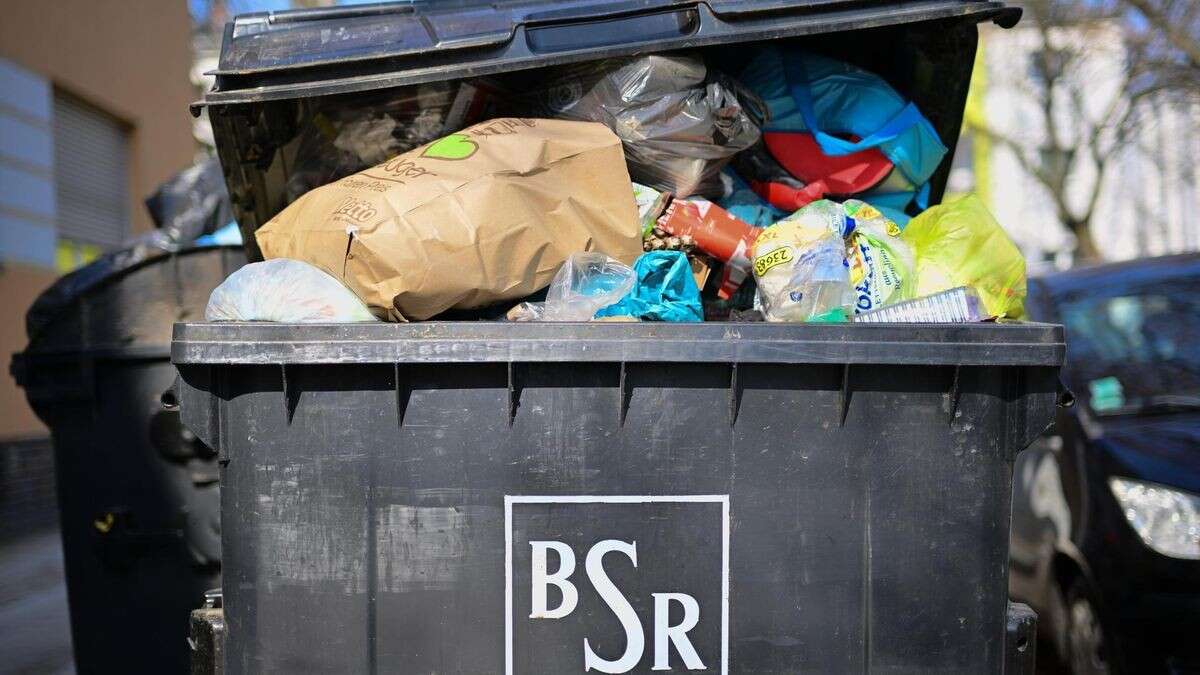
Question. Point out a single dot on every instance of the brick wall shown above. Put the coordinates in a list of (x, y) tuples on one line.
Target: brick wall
[(27, 491)]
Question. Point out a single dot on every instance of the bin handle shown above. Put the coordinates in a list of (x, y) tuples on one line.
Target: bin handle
[(559, 30), (327, 13)]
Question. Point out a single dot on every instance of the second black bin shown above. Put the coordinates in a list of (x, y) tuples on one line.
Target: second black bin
[(137, 494)]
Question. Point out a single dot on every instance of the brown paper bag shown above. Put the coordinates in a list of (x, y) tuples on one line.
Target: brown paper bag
[(480, 216)]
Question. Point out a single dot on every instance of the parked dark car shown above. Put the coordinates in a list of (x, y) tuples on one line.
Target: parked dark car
[(1105, 540)]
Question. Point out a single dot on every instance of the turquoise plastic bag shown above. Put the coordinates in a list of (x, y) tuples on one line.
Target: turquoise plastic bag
[(665, 290), (827, 98)]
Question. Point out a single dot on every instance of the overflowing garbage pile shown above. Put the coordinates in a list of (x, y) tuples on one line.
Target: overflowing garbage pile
[(651, 188)]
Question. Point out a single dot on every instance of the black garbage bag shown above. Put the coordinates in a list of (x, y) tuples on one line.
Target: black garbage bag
[(192, 203)]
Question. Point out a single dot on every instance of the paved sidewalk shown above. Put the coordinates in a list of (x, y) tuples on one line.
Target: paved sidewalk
[(35, 629)]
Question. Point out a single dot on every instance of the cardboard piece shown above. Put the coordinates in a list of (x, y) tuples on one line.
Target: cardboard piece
[(480, 216), (701, 268)]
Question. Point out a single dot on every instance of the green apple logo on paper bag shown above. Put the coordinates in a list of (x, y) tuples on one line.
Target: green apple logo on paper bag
[(454, 146)]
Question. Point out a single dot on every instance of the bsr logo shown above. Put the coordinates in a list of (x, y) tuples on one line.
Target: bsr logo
[(665, 635)]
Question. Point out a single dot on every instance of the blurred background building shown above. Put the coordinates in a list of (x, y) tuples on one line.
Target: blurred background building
[(92, 118), (93, 115)]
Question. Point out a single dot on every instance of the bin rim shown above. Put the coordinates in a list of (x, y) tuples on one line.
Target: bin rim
[(984, 344), (266, 56)]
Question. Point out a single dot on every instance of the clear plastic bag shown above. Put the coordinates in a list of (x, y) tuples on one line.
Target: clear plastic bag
[(680, 124), (585, 284), (813, 286), (286, 291), (957, 305)]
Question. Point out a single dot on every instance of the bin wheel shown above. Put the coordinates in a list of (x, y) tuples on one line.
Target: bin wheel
[(1088, 649)]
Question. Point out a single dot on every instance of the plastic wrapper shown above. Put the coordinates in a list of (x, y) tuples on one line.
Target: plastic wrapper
[(650, 204), (957, 305), (717, 233), (881, 264), (801, 271), (680, 123), (961, 244), (286, 291), (584, 284), (665, 290)]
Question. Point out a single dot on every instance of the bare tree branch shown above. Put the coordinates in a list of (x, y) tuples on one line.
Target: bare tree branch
[(1033, 168), (1078, 50), (1175, 33)]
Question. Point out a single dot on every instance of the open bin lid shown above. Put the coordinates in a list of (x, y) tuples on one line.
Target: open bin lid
[(316, 52)]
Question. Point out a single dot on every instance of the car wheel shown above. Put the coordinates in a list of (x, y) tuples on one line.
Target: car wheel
[(1088, 651)]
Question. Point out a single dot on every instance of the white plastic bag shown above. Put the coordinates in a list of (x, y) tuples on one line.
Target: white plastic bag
[(287, 291), (586, 283)]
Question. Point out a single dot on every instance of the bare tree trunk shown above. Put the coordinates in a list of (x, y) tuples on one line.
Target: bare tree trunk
[(1085, 246)]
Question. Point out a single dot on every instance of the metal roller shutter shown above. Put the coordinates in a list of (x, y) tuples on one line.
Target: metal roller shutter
[(91, 173)]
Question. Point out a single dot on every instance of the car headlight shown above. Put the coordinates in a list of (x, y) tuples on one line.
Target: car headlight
[(1167, 520)]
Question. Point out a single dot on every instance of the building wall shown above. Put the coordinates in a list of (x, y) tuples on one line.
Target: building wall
[(20, 284), (130, 59)]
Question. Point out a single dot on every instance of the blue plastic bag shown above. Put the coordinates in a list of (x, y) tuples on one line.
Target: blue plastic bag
[(665, 290), (828, 98), (229, 235)]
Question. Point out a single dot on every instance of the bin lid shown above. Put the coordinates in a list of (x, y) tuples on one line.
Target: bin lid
[(984, 344), (316, 52)]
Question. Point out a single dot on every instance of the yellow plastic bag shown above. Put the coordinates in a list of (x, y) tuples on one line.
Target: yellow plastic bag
[(961, 244)]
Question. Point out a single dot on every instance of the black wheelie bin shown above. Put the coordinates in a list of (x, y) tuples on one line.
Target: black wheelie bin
[(137, 493), (475, 497)]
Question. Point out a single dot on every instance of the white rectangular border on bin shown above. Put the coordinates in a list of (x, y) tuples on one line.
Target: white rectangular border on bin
[(509, 500)]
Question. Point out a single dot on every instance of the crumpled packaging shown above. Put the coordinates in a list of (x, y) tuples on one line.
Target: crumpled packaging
[(481, 216), (681, 123), (959, 243)]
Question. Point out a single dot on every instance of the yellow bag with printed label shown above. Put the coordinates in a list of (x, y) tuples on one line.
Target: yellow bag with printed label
[(961, 244)]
